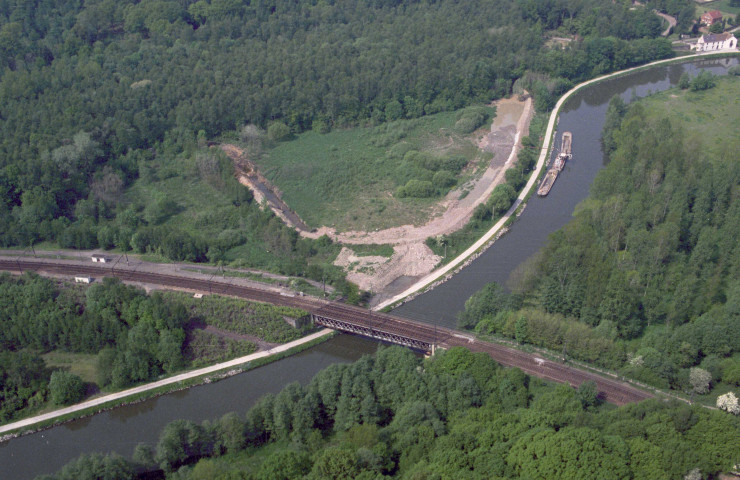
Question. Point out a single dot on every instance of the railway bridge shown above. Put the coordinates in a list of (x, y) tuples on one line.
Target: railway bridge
[(347, 318)]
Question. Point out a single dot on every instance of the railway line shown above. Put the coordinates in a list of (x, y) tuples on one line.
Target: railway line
[(374, 324)]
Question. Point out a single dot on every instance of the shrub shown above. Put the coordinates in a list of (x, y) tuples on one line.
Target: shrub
[(418, 189), (703, 81), (66, 388), (470, 119), (515, 178), (443, 179), (278, 131), (422, 160), (501, 199), (454, 163)]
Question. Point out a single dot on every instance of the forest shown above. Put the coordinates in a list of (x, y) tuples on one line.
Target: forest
[(107, 109), (457, 415), (643, 280), (127, 336)]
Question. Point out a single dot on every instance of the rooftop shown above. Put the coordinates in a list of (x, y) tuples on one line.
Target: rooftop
[(715, 37), (715, 14)]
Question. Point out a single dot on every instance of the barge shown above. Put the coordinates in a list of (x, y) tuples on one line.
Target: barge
[(557, 166)]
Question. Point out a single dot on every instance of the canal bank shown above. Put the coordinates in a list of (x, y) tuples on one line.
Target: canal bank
[(581, 111), (121, 429), (177, 382), (440, 275)]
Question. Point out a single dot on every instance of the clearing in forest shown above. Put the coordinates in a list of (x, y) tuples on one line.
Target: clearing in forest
[(349, 183), (348, 179), (715, 128)]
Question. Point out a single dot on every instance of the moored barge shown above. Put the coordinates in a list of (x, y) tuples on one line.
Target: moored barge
[(557, 166)]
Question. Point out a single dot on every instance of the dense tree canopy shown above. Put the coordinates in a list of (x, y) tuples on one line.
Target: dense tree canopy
[(456, 415), (644, 278), (132, 336), (103, 104)]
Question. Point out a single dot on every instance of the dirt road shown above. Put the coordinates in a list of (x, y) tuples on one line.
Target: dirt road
[(671, 22), (412, 259)]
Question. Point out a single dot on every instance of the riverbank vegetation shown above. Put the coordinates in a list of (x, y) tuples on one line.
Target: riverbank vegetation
[(363, 178), (107, 108), (643, 280), (111, 336), (502, 198), (456, 415)]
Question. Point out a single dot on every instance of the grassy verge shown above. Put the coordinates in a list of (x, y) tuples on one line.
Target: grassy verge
[(297, 284), (143, 396), (242, 317), (348, 178), (84, 365)]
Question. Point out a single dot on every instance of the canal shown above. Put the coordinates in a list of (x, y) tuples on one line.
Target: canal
[(120, 430), (583, 115)]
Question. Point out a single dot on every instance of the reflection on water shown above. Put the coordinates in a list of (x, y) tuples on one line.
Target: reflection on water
[(120, 430), (583, 115)]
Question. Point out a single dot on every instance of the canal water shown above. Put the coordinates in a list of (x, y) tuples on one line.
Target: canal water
[(120, 430), (583, 115)]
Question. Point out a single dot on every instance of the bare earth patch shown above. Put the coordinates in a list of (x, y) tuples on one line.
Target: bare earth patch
[(411, 257)]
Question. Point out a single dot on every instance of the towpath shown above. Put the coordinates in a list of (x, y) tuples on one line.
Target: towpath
[(459, 261), (113, 397)]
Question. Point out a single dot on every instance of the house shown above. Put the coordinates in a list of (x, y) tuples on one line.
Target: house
[(715, 41), (97, 258), (82, 279), (710, 18)]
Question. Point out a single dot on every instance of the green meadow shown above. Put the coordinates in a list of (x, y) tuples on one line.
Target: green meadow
[(349, 178)]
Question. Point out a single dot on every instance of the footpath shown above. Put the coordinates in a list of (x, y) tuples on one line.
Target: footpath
[(459, 261), (96, 402), (417, 287)]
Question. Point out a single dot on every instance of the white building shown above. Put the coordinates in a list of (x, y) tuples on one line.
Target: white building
[(99, 258), (715, 41)]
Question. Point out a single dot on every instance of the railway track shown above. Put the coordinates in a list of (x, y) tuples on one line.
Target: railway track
[(611, 389)]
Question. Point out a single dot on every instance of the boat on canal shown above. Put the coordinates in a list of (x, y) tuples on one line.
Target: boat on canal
[(557, 166)]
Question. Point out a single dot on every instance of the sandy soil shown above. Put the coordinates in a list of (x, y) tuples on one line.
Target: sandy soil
[(411, 257)]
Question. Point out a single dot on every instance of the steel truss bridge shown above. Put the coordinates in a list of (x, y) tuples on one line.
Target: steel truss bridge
[(339, 316)]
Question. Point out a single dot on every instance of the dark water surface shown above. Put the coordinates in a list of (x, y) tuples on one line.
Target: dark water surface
[(583, 115), (120, 430)]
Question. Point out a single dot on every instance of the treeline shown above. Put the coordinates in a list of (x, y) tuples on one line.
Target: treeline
[(135, 336), (456, 415), (102, 99), (643, 279)]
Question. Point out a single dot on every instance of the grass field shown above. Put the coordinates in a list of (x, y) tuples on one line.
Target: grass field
[(81, 364), (721, 5), (347, 178), (706, 116)]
